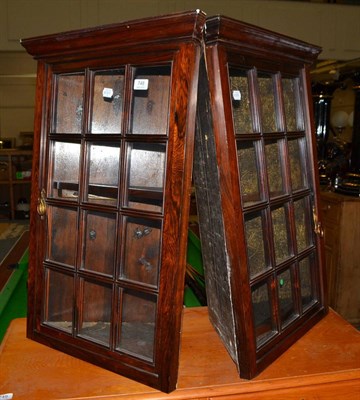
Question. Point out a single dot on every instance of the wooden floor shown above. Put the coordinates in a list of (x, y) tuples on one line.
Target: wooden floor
[(323, 364)]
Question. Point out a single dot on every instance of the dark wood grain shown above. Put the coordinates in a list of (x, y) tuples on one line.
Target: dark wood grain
[(258, 53), (142, 258), (154, 196)]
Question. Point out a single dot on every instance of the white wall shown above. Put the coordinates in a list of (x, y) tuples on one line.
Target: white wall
[(17, 93), (335, 28)]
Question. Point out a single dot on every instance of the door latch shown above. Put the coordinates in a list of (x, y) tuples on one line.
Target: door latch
[(318, 229), (41, 206)]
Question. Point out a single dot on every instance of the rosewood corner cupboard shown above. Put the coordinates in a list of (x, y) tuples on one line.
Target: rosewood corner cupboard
[(256, 178), (115, 120), (116, 112)]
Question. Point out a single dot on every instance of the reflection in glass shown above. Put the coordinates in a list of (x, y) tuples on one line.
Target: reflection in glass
[(292, 105), (297, 170), (306, 284), (69, 103), (240, 99), (280, 234), (137, 331), (95, 312), (142, 250), (264, 326), (302, 224), (286, 300), (59, 300), (62, 235), (103, 173), (107, 101), (65, 176), (274, 169), (150, 103), (248, 169), (255, 245), (146, 172), (267, 99), (99, 242)]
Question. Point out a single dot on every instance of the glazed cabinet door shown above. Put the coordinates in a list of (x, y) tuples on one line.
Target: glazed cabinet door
[(106, 283), (107, 152), (263, 244), (277, 197)]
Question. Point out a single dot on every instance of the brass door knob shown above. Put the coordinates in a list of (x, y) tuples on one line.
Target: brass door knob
[(41, 206)]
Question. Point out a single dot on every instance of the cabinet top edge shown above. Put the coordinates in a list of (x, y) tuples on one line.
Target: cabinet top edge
[(222, 29), (171, 28), (165, 28)]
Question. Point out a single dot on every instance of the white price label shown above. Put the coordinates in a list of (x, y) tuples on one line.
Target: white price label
[(6, 396), (108, 93), (236, 94), (141, 84)]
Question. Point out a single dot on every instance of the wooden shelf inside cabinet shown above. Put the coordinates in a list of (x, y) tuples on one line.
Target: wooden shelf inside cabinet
[(15, 182)]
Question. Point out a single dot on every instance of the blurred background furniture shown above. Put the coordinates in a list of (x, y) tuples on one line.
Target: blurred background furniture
[(15, 183), (341, 216)]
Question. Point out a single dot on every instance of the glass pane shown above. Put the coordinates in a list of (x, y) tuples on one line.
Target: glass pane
[(306, 283), (150, 103), (65, 177), (292, 104), (274, 170), (302, 224), (69, 103), (267, 99), (297, 169), (142, 250), (240, 99), (107, 102), (62, 235), (255, 244), (281, 234), (95, 312), (146, 172), (137, 331), (99, 242), (103, 173), (59, 300), (264, 326), (286, 300), (249, 176)]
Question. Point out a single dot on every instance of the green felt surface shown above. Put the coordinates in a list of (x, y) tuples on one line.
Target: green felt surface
[(194, 258), (13, 297)]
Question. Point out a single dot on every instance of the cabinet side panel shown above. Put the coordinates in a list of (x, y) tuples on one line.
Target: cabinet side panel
[(37, 239), (214, 251)]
